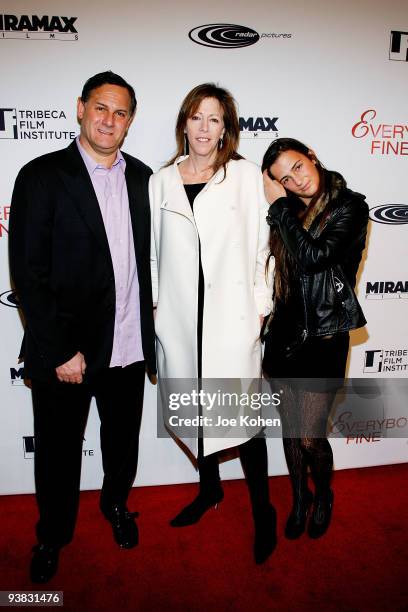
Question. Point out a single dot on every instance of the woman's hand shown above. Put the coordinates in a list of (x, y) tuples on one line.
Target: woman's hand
[(273, 189)]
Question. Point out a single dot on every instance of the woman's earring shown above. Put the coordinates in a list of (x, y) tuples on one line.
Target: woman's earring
[(186, 147), (220, 143)]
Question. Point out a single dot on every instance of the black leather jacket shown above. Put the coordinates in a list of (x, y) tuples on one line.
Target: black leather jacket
[(327, 260)]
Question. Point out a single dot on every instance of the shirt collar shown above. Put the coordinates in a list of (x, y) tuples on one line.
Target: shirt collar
[(92, 165)]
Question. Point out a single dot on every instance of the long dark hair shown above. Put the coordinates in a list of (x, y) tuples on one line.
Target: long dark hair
[(284, 262), (230, 140)]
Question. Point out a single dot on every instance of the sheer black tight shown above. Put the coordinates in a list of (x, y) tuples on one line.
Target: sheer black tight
[(304, 417)]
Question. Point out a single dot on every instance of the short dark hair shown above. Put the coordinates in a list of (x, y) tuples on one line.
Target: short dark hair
[(108, 78)]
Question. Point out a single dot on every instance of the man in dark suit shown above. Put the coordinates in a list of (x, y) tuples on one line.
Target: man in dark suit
[(79, 257)]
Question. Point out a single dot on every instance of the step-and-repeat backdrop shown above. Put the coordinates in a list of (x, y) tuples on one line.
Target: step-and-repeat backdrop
[(332, 74)]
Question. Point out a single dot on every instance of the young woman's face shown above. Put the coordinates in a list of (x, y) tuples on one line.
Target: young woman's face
[(297, 173), (205, 128)]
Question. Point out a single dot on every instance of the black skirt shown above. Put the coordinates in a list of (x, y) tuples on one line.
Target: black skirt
[(319, 364)]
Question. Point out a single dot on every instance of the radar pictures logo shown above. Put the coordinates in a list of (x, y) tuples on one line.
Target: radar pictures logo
[(34, 27), (9, 298), (229, 35), (223, 36), (390, 214)]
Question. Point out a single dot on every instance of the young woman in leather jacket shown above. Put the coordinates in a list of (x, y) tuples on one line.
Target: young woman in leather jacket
[(318, 232)]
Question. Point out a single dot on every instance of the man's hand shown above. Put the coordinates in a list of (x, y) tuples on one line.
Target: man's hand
[(273, 189), (73, 370)]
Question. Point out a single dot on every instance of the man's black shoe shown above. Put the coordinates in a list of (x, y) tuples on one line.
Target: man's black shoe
[(44, 563), (124, 526)]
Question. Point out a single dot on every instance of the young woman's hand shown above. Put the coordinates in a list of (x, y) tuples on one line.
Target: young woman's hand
[(273, 189)]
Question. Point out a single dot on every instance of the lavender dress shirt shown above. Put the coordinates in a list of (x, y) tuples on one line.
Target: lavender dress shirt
[(111, 192)]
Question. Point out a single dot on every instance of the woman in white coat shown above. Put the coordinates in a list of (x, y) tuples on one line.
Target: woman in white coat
[(209, 248)]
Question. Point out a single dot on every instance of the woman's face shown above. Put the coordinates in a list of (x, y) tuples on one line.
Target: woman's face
[(297, 173), (205, 128)]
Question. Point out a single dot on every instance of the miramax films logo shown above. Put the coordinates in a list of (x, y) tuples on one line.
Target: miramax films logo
[(387, 290), (34, 27)]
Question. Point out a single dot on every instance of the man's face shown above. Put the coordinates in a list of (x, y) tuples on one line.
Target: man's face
[(105, 118)]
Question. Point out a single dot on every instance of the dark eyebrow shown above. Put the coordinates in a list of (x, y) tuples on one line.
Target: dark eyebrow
[(283, 177), (121, 110)]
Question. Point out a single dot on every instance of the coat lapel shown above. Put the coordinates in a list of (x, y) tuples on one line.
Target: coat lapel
[(137, 194), (177, 200)]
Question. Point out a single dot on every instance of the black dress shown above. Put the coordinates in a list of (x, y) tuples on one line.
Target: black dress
[(192, 191)]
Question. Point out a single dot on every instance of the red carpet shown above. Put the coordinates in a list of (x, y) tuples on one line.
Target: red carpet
[(360, 564)]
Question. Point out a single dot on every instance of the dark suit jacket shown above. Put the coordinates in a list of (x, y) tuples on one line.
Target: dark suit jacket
[(61, 265)]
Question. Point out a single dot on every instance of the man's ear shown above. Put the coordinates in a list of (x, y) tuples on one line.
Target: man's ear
[(80, 109), (131, 120)]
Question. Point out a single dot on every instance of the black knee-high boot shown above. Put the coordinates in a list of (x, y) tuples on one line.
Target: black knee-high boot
[(296, 460), (210, 491), (320, 457), (254, 459)]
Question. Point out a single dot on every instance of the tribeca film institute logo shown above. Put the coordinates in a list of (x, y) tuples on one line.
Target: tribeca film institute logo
[(229, 35), (399, 46), (382, 360), (390, 214), (258, 127), (29, 448), (33, 27), (30, 124), (387, 290)]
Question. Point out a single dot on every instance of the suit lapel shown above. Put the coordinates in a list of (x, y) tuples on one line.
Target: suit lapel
[(79, 185), (137, 197)]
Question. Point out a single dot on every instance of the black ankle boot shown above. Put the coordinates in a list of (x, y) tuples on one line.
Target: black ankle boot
[(296, 523), (265, 534), (193, 512), (321, 515)]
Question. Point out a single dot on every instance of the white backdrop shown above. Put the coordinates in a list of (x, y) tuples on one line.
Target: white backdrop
[(336, 61)]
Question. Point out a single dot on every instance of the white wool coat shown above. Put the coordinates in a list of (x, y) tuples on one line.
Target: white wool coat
[(229, 222)]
